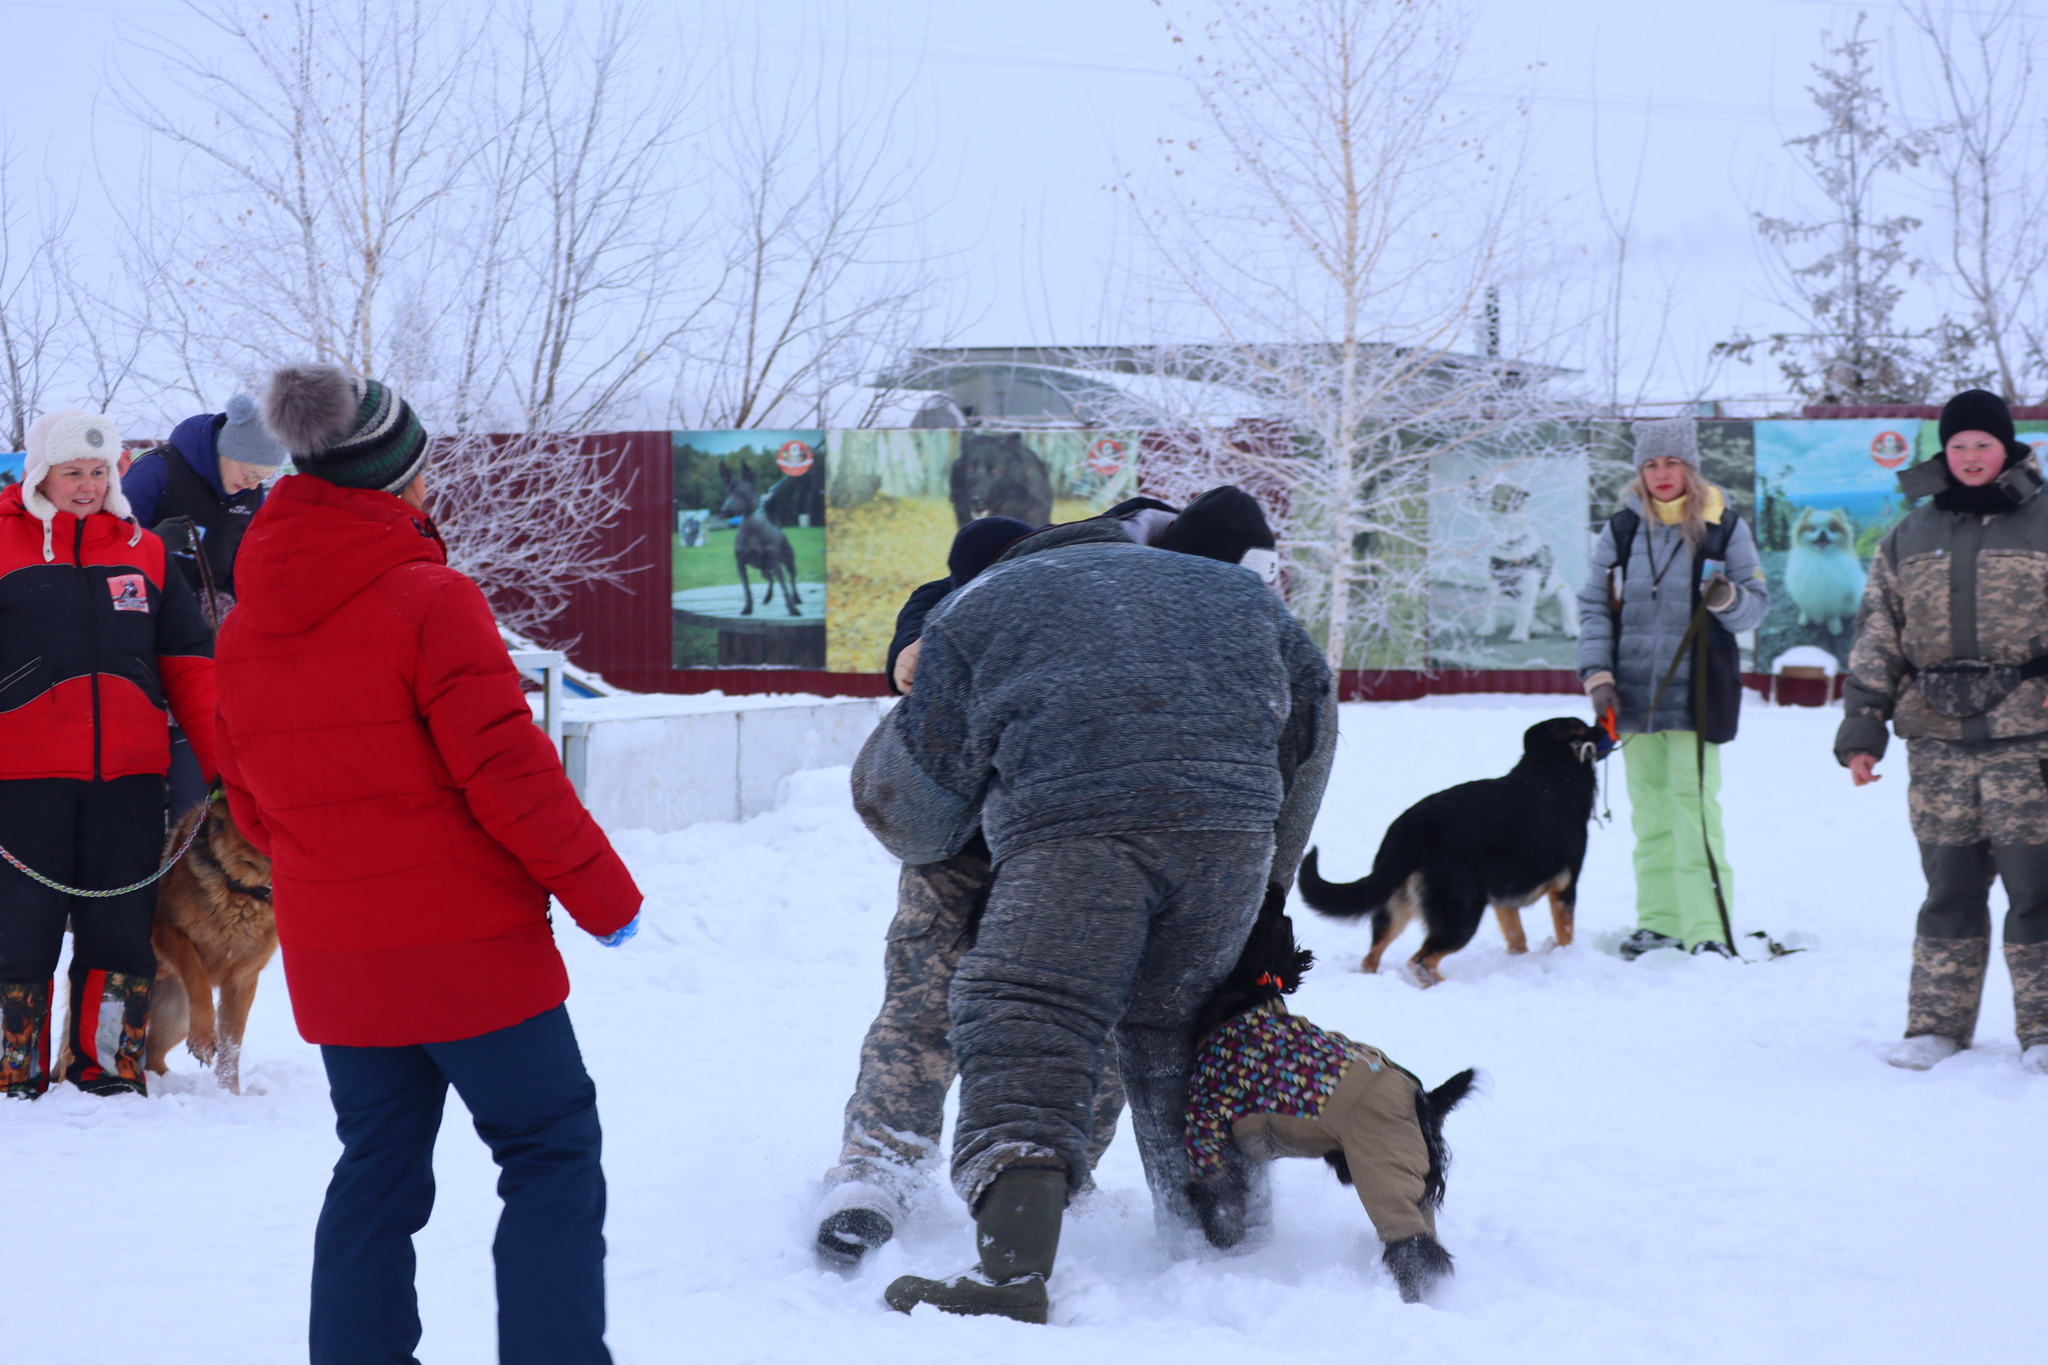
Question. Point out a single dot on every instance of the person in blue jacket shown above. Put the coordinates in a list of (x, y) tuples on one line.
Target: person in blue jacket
[(198, 491)]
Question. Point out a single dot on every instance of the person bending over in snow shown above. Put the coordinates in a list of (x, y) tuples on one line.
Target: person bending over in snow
[(375, 744), (1143, 739), (897, 1109), (1271, 1084)]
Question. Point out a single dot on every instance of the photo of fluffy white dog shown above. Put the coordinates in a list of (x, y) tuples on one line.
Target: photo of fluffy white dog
[(1823, 577)]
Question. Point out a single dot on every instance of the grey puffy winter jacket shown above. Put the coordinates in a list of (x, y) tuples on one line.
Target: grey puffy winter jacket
[(1654, 614), (1101, 687)]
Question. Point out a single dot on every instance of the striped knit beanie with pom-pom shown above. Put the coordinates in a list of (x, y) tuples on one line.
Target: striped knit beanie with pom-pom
[(345, 429)]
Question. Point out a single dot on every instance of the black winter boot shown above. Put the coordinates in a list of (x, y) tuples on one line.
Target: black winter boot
[(1416, 1263), (107, 1035), (1647, 941), (851, 1233), (24, 1038), (1017, 1229)]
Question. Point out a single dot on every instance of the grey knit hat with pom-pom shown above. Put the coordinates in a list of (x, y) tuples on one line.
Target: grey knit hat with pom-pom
[(344, 428), (243, 439)]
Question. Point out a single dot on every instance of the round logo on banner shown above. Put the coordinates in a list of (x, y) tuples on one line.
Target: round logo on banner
[(1889, 449), (1107, 455), (793, 458)]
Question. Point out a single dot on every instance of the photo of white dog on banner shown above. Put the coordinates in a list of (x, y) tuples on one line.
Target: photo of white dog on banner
[(1507, 544)]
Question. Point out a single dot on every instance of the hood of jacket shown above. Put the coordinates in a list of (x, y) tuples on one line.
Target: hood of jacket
[(1931, 478), (194, 438), (315, 545)]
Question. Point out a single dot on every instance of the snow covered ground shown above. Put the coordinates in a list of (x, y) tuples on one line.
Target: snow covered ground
[(1682, 1160)]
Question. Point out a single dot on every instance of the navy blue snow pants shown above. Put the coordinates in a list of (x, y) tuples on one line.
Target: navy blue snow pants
[(535, 1106)]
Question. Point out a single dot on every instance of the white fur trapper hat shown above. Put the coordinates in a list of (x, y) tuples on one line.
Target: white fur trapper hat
[(61, 436)]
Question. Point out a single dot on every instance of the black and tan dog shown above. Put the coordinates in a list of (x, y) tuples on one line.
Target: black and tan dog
[(1504, 842), (214, 928)]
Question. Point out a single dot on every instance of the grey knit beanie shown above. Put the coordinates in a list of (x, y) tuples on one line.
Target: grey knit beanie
[(1677, 436), (242, 437)]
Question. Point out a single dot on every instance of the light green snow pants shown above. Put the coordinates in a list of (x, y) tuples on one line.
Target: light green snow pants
[(1674, 895)]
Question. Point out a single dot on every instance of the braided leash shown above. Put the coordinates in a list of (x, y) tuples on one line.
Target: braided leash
[(25, 870)]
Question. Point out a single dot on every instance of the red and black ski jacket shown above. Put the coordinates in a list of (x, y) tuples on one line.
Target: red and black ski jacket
[(93, 643)]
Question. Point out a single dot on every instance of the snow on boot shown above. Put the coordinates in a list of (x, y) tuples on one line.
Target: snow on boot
[(1647, 941), (1416, 1263), (1712, 947), (24, 1038), (846, 1236), (1017, 1229), (1947, 986), (2035, 1059), (2029, 965), (1922, 1052)]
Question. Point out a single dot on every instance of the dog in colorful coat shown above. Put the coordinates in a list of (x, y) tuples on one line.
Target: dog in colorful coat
[(1271, 1084)]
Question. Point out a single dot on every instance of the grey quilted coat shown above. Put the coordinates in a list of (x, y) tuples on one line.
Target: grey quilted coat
[(1656, 607)]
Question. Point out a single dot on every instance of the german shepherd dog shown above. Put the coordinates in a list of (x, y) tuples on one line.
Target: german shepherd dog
[(1271, 966), (214, 927), (1503, 842)]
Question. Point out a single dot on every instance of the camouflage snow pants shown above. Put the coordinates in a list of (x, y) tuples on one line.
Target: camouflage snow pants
[(1980, 813), (894, 1118)]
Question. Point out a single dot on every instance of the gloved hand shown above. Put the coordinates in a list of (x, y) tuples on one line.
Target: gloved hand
[(1718, 593), (618, 936), (1604, 698)]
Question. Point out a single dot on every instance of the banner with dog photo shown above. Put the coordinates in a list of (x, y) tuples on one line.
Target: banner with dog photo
[(1827, 491), (898, 498), (1507, 552), (747, 578)]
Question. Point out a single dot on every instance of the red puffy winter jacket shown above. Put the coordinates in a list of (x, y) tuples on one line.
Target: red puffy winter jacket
[(93, 642), (375, 743)]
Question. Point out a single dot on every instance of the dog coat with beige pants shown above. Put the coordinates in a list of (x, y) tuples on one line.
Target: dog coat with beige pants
[(1279, 1086)]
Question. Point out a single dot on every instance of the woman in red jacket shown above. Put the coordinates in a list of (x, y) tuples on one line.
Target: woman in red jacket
[(375, 743), (95, 638)]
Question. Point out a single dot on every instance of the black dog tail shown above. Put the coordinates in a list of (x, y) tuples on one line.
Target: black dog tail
[(1347, 900), (1452, 1092), (1430, 1108)]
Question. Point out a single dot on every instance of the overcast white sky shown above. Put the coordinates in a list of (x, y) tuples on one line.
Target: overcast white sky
[(1027, 107)]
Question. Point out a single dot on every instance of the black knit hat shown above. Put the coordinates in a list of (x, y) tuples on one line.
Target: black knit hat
[(978, 544), (343, 428), (1224, 523), (1982, 410)]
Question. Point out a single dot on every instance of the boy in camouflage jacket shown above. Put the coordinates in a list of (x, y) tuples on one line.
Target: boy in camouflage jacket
[(1952, 649)]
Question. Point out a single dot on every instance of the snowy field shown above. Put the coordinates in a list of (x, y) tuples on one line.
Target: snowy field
[(1674, 1160)]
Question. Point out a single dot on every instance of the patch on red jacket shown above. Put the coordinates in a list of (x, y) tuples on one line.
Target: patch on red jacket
[(130, 591)]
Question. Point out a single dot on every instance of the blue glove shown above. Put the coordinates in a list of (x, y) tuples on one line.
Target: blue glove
[(618, 936)]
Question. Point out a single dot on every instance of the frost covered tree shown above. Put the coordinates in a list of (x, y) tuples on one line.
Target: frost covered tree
[(465, 204), (1843, 269), (35, 313), (1990, 179), (824, 280), (1329, 236)]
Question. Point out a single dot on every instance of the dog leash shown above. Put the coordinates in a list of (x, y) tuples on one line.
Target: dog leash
[(25, 870)]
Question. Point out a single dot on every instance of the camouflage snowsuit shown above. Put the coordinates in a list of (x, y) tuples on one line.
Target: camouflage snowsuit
[(906, 1062), (1949, 586)]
